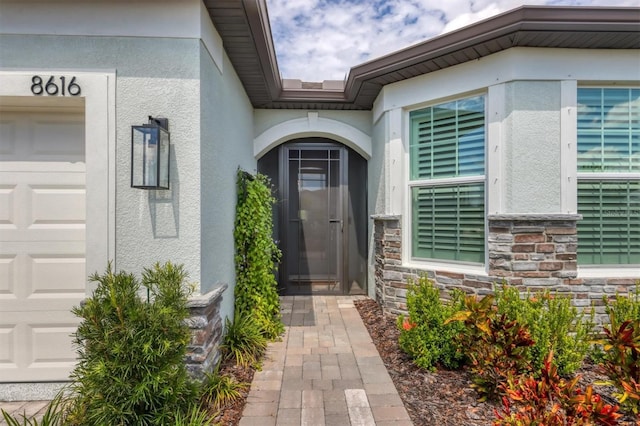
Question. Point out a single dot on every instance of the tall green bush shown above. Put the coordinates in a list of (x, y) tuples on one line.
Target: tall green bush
[(131, 368), (256, 290), (423, 334), (554, 323), (624, 306)]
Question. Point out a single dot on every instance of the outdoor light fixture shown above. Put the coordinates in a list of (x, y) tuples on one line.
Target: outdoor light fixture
[(150, 154)]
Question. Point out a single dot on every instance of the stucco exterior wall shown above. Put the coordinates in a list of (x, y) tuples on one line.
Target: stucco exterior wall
[(378, 170), (151, 226), (532, 151), (226, 124), (177, 71), (377, 176), (267, 118)]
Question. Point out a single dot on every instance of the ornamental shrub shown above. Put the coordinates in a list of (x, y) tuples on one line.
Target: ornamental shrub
[(555, 326), (621, 348), (243, 341), (219, 390), (624, 306), (131, 348), (424, 336), (549, 399), (256, 289), (494, 344), (194, 417)]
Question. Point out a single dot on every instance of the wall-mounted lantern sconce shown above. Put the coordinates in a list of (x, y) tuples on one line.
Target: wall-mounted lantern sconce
[(150, 154)]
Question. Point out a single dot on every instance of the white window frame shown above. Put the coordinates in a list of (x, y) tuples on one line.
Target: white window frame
[(437, 264), (603, 270)]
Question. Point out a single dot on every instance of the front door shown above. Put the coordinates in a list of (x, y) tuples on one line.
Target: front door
[(314, 196)]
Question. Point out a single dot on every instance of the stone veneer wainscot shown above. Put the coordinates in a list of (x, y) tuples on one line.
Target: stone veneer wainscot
[(529, 251)]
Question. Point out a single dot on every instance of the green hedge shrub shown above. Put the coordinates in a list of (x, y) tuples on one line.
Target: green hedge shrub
[(423, 334), (554, 323), (131, 368), (624, 306)]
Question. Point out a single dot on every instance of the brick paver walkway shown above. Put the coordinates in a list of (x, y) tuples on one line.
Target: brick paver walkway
[(325, 371), (18, 408)]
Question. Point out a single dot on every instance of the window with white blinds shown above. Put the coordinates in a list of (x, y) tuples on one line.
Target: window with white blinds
[(447, 155), (609, 176)]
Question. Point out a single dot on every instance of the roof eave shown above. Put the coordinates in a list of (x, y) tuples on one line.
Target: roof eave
[(360, 91)]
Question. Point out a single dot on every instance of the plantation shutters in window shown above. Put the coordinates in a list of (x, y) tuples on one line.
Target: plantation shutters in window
[(609, 232), (448, 140), (608, 130), (448, 222), (609, 176), (447, 181)]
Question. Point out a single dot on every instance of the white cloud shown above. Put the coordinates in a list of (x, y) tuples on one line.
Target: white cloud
[(319, 40)]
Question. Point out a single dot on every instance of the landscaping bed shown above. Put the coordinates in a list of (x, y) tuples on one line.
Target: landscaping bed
[(439, 398), (442, 397), (231, 413)]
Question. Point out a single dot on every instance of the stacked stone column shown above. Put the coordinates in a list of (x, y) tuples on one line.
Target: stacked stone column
[(206, 328)]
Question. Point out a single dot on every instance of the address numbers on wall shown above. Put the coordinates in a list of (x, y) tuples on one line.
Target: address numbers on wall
[(55, 86)]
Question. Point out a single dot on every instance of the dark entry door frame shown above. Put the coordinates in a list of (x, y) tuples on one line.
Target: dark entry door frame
[(321, 163), (314, 182)]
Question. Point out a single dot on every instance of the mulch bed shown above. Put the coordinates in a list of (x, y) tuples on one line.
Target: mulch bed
[(439, 398), (431, 398), (230, 414), (442, 397)]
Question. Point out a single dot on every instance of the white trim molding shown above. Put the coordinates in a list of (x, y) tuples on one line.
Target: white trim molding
[(569, 146), (182, 19), (312, 126), (395, 190), (514, 64), (495, 148)]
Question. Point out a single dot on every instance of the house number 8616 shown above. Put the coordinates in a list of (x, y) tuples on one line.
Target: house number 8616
[(52, 87)]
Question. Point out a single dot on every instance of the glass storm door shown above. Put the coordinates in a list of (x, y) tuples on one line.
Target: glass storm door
[(314, 181)]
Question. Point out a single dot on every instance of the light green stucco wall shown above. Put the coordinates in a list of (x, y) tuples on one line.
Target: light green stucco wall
[(377, 176), (158, 77), (378, 170), (532, 151), (210, 120), (267, 118), (226, 123)]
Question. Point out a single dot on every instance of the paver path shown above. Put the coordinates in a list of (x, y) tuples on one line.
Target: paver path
[(28, 408), (325, 371)]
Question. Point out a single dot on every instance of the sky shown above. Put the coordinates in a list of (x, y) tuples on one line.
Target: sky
[(318, 40)]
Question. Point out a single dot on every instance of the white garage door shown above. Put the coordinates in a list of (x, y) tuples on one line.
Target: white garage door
[(42, 242)]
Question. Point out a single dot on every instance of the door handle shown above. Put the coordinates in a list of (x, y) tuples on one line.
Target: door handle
[(336, 221)]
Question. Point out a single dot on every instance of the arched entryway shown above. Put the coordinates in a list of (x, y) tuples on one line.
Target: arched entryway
[(320, 217)]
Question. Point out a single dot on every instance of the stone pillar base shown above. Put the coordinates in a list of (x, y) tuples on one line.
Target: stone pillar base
[(206, 332)]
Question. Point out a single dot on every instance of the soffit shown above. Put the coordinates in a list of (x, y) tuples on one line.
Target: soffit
[(246, 34)]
